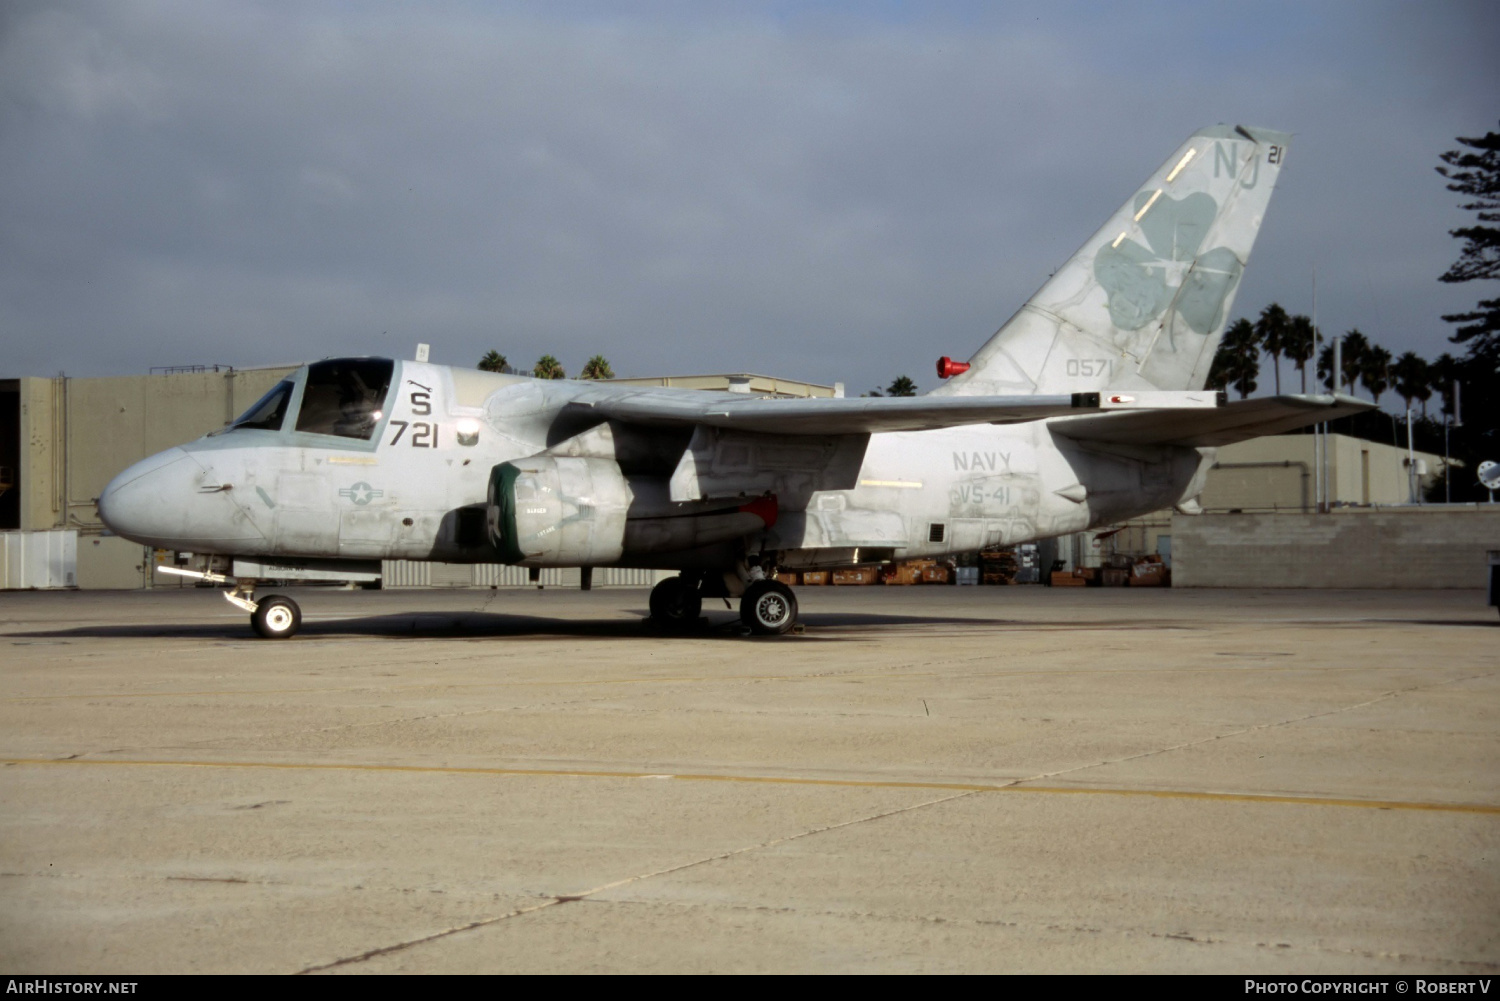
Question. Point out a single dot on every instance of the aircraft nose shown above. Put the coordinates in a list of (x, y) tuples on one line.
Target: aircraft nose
[(143, 502)]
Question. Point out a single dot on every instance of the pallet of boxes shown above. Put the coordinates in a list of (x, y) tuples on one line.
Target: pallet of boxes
[(998, 566), (1150, 571), (905, 573)]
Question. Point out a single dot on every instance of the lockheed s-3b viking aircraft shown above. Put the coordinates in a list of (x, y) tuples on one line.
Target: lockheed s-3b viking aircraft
[(1085, 409)]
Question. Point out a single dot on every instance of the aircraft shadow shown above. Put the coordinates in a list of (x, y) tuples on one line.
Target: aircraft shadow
[(479, 625), (825, 626)]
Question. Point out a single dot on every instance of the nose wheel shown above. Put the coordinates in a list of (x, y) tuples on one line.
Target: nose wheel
[(769, 608), (276, 617)]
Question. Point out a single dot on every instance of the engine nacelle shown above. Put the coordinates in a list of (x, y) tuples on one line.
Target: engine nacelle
[(548, 511)]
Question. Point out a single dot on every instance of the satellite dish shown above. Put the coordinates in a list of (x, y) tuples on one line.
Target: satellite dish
[(1489, 475)]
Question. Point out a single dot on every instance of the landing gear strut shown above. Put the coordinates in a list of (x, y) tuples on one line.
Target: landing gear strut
[(769, 608), (275, 617)]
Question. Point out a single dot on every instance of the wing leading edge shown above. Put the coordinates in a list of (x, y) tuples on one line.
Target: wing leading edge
[(865, 415)]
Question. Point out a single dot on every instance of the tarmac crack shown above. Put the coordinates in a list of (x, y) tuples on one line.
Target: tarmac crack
[(569, 898)]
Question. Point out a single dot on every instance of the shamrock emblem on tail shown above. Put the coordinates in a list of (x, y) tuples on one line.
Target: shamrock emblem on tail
[(1141, 282)]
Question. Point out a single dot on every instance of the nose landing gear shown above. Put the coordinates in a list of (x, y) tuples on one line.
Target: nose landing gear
[(274, 617)]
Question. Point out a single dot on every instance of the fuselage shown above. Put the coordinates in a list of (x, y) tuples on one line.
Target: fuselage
[(339, 466)]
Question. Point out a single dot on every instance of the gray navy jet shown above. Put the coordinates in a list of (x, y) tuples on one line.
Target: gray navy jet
[(1086, 408)]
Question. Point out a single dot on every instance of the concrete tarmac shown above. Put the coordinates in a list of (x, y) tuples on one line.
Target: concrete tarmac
[(929, 779)]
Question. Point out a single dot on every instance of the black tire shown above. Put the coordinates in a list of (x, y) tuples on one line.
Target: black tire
[(675, 603), (277, 617), (769, 608)]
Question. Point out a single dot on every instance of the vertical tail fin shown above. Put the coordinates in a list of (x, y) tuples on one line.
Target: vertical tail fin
[(1143, 304)]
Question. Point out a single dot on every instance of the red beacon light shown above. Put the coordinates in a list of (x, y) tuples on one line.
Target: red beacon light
[(947, 367)]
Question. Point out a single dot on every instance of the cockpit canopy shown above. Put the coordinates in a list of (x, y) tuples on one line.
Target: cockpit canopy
[(344, 397)]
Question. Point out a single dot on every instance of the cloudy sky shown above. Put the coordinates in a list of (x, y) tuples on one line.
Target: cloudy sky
[(826, 191)]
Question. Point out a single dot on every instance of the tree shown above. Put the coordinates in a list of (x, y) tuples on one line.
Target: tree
[(1442, 374), (1301, 340), (1241, 348), (1356, 346), (1477, 175), (901, 386), (1375, 372), (597, 367), (548, 367), (1272, 330), (1221, 372), (1325, 367), (1411, 378), (493, 361)]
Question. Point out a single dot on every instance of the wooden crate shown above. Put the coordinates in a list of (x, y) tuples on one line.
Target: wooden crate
[(855, 575), (814, 578)]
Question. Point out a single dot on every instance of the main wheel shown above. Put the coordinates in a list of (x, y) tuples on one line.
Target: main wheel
[(675, 602), (277, 617), (769, 608)]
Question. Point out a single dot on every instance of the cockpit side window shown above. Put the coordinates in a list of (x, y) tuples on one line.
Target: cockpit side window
[(269, 411), (344, 396)]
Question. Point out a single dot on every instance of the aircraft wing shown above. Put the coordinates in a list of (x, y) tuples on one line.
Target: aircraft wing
[(861, 415), (1232, 422)]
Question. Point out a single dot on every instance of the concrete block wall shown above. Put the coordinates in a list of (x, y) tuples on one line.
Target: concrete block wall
[(1432, 546)]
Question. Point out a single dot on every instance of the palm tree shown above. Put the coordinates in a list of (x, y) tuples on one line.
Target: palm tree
[(1442, 375), (597, 367), (493, 361), (1220, 372), (1272, 330), (548, 367), (1356, 345), (1242, 347), (1411, 378), (1300, 342), (901, 386), (1375, 371)]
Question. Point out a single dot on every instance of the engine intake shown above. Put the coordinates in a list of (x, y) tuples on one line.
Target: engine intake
[(550, 511)]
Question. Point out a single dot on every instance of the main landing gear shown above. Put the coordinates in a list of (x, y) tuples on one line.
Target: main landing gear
[(767, 608), (676, 602), (274, 617)]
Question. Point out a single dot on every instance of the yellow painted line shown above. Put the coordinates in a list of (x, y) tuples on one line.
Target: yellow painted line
[(1218, 797), (350, 460), (902, 484)]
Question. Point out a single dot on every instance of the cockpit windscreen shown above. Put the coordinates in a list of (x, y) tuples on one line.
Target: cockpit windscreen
[(269, 411), (344, 396)]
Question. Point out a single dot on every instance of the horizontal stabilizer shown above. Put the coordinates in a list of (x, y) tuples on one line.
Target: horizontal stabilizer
[(1232, 422), (865, 415)]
